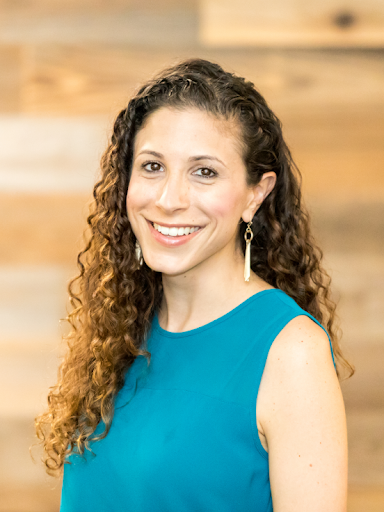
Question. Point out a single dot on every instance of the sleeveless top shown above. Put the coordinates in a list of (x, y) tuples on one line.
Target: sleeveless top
[(184, 436)]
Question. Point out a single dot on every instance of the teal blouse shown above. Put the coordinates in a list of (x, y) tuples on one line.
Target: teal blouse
[(184, 436)]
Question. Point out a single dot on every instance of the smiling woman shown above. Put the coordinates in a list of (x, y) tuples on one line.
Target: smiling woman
[(177, 187), (203, 366)]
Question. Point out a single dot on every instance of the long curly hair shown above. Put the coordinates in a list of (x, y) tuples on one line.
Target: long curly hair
[(113, 300)]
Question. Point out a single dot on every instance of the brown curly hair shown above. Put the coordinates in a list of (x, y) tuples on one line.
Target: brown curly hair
[(113, 300)]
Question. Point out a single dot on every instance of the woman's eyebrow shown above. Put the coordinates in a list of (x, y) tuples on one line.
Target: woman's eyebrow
[(191, 158)]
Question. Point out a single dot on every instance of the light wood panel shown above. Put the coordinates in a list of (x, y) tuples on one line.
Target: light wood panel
[(11, 78), (59, 155), (41, 230), (25, 380), (33, 299), (147, 23), (43, 7), (366, 499), (299, 23)]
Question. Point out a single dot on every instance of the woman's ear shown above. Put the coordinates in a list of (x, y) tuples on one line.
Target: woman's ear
[(258, 193)]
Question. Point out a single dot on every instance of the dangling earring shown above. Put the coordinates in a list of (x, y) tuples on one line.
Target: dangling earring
[(247, 265), (139, 254)]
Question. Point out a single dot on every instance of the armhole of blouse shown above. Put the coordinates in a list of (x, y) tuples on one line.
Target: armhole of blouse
[(293, 313)]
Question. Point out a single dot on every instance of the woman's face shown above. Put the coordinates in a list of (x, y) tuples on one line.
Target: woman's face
[(187, 171)]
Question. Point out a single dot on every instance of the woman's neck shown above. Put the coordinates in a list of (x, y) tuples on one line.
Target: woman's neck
[(204, 293)]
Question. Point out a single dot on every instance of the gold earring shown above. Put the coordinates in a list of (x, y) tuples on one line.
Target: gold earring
[(139, 254), (247, 263)]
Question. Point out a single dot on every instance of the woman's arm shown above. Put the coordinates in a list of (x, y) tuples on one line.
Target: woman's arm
[(303, 419)]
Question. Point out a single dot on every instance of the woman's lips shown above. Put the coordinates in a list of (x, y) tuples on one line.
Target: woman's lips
[(171, 241)]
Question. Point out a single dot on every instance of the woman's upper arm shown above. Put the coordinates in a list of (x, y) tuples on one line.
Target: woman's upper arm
[(304, 422)]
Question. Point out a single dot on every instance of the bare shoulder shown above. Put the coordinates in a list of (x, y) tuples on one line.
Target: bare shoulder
[(300, 355), (300, 343), (300, 411)]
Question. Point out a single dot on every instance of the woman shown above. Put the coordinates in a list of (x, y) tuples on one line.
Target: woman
[(199, 376)]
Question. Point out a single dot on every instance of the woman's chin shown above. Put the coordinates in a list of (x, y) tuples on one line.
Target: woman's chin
[(169, 268)]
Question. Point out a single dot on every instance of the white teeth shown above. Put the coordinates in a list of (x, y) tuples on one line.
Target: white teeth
[(174, 231)]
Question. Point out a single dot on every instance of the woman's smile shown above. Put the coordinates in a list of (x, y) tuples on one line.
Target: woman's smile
[(173, 236)]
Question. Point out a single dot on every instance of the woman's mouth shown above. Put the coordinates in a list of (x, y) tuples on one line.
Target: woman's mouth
[(173, 236)]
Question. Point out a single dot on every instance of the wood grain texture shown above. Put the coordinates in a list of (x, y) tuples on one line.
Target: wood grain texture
[(11, 68), (147, 23), (59, 155), (298, 23), (95, 79), (88, 79)]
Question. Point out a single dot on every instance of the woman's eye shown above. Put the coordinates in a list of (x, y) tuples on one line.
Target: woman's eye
[(205, 172), (153, 166)]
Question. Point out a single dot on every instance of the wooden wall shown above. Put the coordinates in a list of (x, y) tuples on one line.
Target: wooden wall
[(67, 67)]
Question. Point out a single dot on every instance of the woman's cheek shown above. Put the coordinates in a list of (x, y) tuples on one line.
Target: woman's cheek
[(225, 205), (138, 195)]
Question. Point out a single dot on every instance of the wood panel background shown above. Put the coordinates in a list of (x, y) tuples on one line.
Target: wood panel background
[(298, 23), (67, 67)]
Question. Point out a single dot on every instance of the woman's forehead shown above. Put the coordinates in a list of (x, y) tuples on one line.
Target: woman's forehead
[(187, 127)]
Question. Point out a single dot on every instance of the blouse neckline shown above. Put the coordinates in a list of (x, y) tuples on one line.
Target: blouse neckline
[(213, 323)]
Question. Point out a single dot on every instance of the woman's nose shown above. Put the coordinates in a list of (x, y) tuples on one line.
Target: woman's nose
[(173, 193)]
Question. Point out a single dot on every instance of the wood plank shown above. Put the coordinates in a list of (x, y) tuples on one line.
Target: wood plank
[(349, 227), (32, 301), (25, 380), (358, 278), (94, 79), (365, 498), (148, 23), (338, 80), (60, 155), (10, 78), (16, 464), (297, 23), (41, 229), (365, 389), (44, 7), (331, 149), (87, 80), (366, 448)]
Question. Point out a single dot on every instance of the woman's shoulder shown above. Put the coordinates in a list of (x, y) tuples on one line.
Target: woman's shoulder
[(301, 414), (299, 364), (301, 341)]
